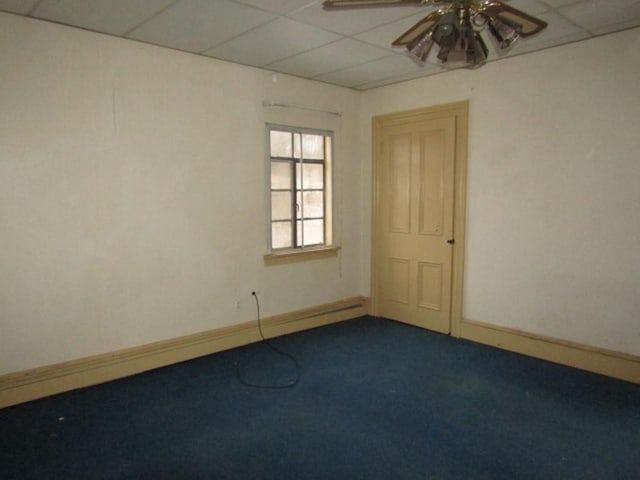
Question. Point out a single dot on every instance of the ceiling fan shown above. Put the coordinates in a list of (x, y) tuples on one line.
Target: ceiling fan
[(455, 27)]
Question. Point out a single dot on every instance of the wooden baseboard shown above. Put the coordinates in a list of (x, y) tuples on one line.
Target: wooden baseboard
[(596, 360), (40, 382)]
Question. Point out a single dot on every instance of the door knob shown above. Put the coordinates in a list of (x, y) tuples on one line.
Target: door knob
[(451, 241)]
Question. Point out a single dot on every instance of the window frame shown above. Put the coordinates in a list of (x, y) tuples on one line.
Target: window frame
[(301, 252)]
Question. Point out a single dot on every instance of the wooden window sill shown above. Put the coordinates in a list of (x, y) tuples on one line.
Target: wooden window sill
[(294, 256)]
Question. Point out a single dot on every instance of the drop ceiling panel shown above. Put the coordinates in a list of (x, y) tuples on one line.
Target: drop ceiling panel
[(116, 16), (560, 3), (533, 47), (634, 22), (532, 7), (197, 25), (352, 21), (278, 6), (372, 71), (335, 56), (17, 6), (271, 42), (601, 13), (346, 47), (428, 69), (387, 33), (558, 28)]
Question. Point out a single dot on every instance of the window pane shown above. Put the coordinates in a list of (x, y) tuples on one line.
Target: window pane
[(313, 204), (296, 145), (280, 144), (313, 146), (280, 175), (313, 232), (280, 205), (313, 176), (281, 235)]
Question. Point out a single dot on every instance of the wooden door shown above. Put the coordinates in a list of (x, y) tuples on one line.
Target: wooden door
[(414, 238)]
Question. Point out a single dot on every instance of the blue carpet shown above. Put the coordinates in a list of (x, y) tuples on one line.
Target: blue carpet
[(376, 400)]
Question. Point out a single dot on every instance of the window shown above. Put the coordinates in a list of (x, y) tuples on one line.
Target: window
[(300, 188)]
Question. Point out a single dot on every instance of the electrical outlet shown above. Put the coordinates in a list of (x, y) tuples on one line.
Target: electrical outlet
[(237, 305)]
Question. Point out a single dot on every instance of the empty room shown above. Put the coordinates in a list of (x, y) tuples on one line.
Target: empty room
[(314, 239)]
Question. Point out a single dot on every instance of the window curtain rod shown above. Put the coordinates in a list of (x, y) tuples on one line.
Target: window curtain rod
[(268, 103)]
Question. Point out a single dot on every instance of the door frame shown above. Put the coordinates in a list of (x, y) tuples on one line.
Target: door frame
[(460, 110)]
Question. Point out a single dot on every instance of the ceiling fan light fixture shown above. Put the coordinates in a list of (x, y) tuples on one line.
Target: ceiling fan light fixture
[(476, 51), (504, 31), (447, 32), (443, 54), (456, 28), (420, 47)]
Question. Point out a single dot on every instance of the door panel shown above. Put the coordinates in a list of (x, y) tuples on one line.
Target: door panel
[(400, 196), (430, 285), (414, 220), (432, 191), (399, 284)]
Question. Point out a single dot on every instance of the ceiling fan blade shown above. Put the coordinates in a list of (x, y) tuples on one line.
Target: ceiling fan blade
[(424, 25), (335, 4), (530, 25)]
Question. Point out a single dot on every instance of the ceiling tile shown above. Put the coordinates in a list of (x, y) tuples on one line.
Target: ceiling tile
[(17, 6), (352, 21), (532, 7), (335, 56), (635, 22), (278, 6), (301, 38), (601, 13), (274, 41), (373, 71), (197, 25), (384, 35), (560, 3), (115, 17), (428, 69), (558, 28), (522, 48)]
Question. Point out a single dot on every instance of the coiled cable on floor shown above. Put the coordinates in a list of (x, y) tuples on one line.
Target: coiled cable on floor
[(277, 351)]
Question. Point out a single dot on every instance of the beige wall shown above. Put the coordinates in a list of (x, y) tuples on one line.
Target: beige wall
[(553, 211), (132, 197), (132, 194)]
